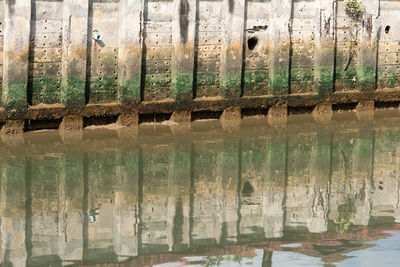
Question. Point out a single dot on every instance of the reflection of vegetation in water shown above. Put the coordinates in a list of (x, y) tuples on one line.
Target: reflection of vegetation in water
[(346, 216), (216, 261)]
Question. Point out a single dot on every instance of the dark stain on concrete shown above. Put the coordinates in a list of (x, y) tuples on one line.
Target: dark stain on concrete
[(184, 20), (231, 6), (10, 4), (369, 26)]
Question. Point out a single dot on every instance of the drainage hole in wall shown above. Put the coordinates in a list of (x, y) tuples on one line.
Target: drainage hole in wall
[(154, 117), (387, 29), (344, 107), (252, 42), (300, 110), (206, 115), (35, 125), (99, 120), (254, 112)]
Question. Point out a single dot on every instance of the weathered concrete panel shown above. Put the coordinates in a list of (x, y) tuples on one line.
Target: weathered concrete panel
[(158, 16), (303, 47), (46, 53), (16, 54), (256, 59), (103, 18), (208, 48), (388, 47), (183, 53)]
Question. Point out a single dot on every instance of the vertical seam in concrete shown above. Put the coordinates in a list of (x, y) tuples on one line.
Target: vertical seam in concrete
[(89, 51)]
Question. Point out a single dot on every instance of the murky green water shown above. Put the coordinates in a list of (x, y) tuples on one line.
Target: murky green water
[(311, 195)]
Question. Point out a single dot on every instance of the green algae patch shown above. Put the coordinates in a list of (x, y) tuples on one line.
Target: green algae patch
[(15, 100), (345, 78), (207, 84), (103, 89), (157, 87), (183, 87), (388, 80), (45, 90), (325, 80), (279, 82), (207, 79), (231, 85), (256, 82), (302, 80), (73, 93), (129, 91), (366, 78)]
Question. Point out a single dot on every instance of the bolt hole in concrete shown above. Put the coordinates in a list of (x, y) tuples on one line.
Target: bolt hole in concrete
[(252, 43), (387, 29)]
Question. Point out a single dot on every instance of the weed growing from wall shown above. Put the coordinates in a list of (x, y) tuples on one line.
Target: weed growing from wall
[(354, 7)]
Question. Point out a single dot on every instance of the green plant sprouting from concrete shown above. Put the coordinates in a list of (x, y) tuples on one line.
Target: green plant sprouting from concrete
[(355, 7)]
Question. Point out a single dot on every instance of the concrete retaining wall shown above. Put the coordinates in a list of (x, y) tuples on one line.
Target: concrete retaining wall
[(156, 56)]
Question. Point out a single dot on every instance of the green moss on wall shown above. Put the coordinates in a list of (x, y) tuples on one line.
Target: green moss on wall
[(157, 87), (279, 83), (183, 87), (302, 80), (366, 78), (15, 100), (129, 91), (73, 93), (230, 85), (345, 77), (103, 89), (388, 80), (47, 90), (256, 82), (325, 80), (207, 79)]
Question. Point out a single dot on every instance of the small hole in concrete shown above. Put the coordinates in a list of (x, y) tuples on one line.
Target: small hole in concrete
[(387, 29), (252, 42)]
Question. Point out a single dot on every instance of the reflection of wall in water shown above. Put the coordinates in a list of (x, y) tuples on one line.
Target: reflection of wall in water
[(385, 187), (165, 207), (13, 212), (351, 174), (208, 194), (262, 192), (112, 209), (171, 197), (308, 182)]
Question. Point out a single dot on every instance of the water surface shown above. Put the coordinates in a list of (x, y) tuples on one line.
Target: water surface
[(213, 195)]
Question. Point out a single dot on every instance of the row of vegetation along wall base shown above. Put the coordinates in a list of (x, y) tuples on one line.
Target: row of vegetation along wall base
[(56, 111)]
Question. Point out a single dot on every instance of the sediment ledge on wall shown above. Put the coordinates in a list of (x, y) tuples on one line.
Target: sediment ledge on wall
[(85, 58)]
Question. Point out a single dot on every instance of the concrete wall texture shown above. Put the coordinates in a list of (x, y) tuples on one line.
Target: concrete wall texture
[(195, 54)]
